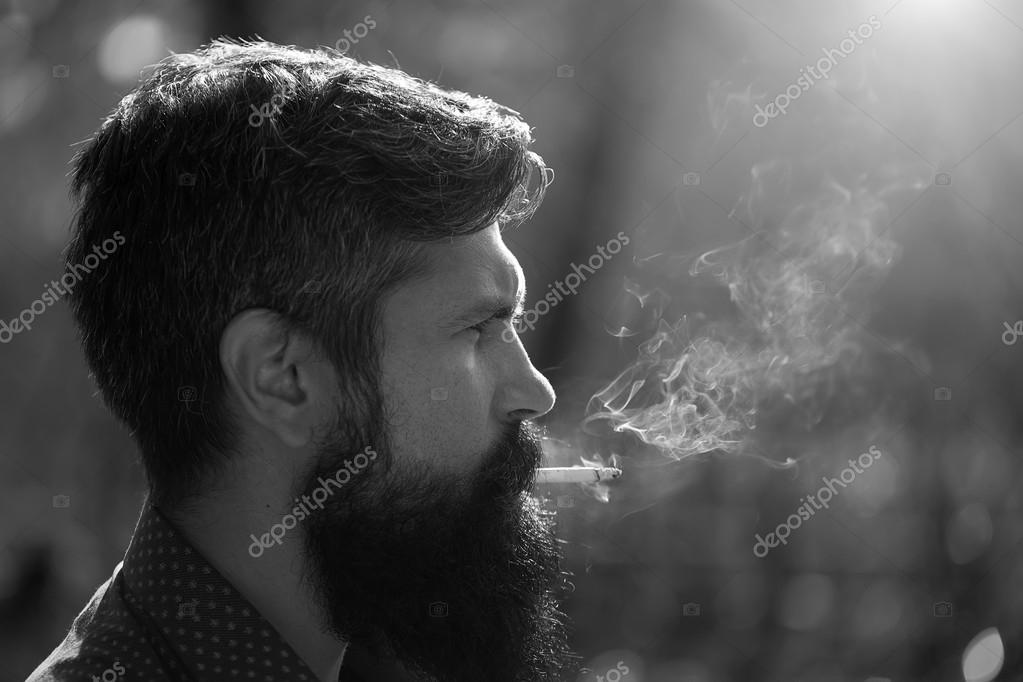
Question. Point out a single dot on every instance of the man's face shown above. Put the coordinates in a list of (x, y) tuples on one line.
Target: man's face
[(452, 389), (435, 551)]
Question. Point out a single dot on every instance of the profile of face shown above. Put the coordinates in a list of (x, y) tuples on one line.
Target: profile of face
[(435, 553)]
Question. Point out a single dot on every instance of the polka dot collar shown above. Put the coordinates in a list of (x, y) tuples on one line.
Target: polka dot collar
[(204, 625), (167, 615)]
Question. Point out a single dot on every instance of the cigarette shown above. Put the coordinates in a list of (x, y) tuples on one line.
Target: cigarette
[(576, 474)]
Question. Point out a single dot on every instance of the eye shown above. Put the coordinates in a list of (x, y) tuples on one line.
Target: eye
[(481, 327), (512, 318)]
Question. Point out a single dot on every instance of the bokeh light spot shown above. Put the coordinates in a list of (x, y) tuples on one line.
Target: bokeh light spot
[(982, 660), (969, 533), (807, 602), (130, 46)]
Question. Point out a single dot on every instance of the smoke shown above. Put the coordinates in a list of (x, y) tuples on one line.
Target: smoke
[(801, 287)]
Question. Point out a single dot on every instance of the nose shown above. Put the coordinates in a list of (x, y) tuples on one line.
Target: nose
[(528, 394)]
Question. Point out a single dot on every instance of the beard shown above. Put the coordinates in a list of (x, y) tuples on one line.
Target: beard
[(456, 577)]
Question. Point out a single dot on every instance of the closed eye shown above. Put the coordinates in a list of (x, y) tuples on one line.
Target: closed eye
[(505, 314)]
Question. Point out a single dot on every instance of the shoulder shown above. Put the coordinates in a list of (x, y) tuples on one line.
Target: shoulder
[(106, 642)]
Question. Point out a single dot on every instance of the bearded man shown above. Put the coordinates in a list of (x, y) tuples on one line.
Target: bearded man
[(302, 326)]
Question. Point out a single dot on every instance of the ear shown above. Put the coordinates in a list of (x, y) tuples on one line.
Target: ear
[(274, 376)]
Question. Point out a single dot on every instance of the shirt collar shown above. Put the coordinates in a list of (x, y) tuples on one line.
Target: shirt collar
[(202, 618)]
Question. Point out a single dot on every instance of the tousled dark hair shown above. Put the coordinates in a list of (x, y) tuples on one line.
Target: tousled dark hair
[(253, 175)]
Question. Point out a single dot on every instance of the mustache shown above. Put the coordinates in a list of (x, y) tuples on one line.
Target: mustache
[(510, 467)]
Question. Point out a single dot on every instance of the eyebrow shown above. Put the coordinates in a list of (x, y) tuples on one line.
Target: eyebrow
[(484, 309), (491, 306)]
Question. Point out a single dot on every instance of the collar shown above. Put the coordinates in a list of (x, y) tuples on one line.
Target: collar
[(206, 627)]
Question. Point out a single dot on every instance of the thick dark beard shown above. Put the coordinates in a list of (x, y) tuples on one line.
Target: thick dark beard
[(457, 578)]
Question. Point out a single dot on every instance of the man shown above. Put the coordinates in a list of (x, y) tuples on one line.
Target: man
[(301, 325)]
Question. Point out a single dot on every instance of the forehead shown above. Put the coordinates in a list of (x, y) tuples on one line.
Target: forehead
[(461, 271)]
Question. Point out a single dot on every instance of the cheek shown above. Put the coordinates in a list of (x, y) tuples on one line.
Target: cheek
[(458, 420), (437, 408)]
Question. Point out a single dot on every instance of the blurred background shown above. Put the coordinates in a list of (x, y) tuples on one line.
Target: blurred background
[(849, 172)]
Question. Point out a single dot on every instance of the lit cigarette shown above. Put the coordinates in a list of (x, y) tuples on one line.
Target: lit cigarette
[(576, 474)]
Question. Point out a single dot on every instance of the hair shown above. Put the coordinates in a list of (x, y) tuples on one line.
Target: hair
[(253, 175)]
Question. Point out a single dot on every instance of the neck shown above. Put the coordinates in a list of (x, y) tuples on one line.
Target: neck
[(219, 527)]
